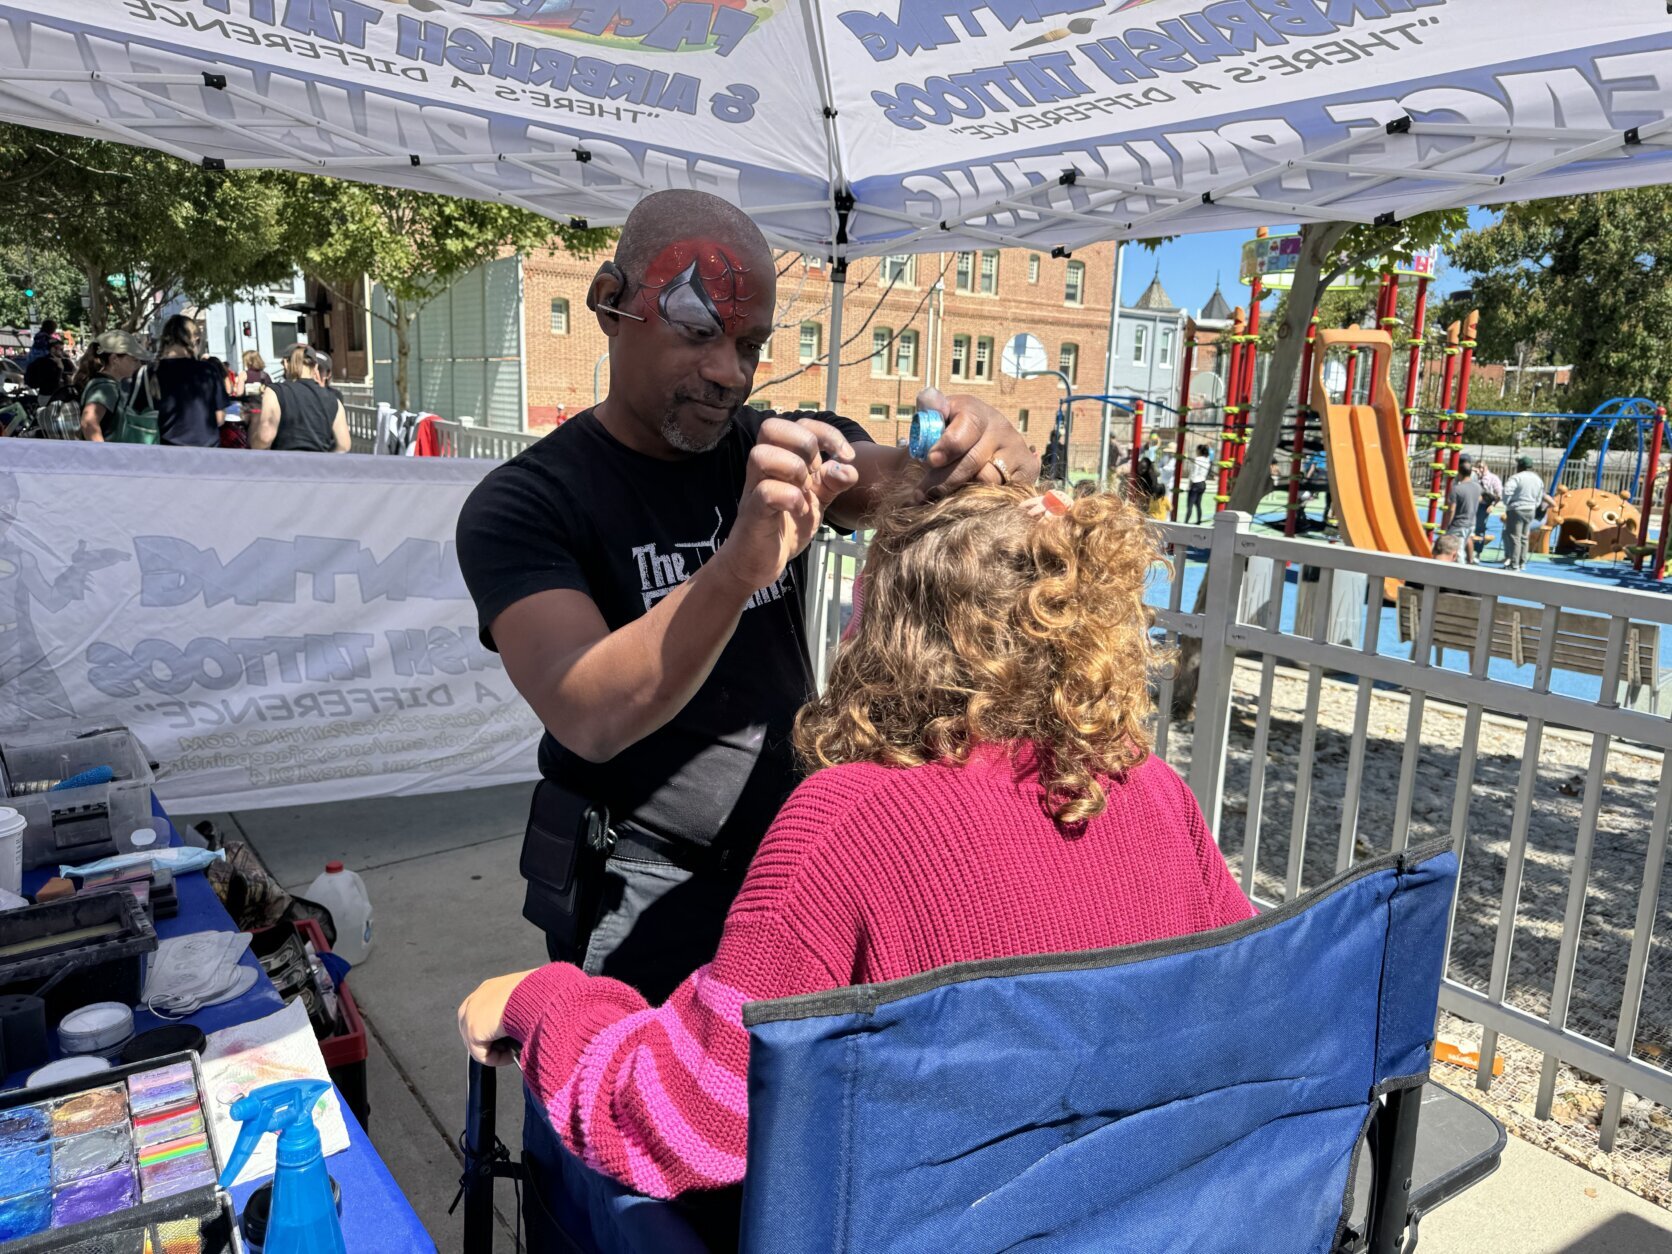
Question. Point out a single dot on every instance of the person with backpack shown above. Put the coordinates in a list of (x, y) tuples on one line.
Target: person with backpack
[(110, 363)]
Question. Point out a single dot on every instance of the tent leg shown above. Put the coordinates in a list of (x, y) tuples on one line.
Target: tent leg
[(833, 362)]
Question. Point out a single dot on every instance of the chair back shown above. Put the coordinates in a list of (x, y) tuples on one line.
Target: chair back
[(1206, 1093)]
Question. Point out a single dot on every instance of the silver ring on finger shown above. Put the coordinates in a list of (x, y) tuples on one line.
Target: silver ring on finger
[(1004, 471)]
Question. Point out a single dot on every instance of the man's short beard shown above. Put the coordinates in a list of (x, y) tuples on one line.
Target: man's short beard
[(677, 437)]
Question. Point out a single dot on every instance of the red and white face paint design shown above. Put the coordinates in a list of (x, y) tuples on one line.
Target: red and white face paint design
[(701, 287)]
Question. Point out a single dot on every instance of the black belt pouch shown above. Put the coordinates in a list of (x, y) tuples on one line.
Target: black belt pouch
[(556, 862)]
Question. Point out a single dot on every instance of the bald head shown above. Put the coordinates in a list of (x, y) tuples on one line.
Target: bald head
[(662, 218)]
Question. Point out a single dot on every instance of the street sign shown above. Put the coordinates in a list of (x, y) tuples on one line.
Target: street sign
[(1023, 355)]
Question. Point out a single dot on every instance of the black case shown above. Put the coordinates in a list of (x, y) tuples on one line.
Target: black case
[(560, 849)]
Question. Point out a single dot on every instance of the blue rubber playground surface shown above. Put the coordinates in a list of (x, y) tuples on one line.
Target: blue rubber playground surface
[(1567, 683)]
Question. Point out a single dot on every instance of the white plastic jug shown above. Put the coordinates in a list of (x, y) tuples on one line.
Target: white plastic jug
[(344, 895), (12, 825)]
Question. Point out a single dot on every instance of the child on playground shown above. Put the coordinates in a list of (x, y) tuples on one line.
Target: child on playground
[(982, 787), (1200, 466)]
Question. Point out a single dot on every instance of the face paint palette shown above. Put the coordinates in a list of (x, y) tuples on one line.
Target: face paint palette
[(118, 1163)]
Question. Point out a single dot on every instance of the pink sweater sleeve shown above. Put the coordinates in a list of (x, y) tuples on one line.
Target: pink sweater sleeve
[(657, 1097), (1226, 902)]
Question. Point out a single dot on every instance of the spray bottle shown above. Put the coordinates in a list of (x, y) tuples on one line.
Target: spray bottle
[(304, 1214)]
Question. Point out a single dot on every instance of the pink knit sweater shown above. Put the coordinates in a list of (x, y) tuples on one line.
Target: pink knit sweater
[(869, 873)]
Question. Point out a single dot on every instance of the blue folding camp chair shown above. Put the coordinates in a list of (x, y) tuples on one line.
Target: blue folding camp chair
[(1256, 1088)]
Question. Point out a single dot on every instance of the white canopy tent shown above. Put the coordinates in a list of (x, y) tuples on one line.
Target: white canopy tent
[(864, 127)]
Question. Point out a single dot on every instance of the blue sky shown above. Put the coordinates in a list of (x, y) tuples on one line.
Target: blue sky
[(1190, 263)]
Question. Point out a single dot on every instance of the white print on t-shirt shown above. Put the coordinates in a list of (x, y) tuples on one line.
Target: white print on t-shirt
[(661, 573)]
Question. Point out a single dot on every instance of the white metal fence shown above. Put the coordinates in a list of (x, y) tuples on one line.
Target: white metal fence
[(1318, 739), (457, 440)]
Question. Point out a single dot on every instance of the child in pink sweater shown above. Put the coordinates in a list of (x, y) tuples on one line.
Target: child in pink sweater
[(982, 789)]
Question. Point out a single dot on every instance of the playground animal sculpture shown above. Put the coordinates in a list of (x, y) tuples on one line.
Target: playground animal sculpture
[(1592, 523)]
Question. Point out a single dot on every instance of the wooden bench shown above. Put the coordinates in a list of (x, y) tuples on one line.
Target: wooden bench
[(1581, 639)]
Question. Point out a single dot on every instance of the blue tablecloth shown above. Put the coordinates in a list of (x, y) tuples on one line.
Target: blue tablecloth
[(376, 1215)]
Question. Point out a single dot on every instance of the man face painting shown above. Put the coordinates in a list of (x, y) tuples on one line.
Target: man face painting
[(690, 365)]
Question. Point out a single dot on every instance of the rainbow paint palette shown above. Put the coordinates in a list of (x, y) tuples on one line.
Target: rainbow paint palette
[(122, 1164)]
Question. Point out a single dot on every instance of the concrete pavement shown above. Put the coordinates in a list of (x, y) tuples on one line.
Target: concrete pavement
[(446, 899)]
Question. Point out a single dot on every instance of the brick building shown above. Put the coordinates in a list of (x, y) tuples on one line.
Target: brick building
[(908, 322)]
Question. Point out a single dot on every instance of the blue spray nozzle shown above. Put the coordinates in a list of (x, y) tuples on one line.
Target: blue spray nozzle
[(303, 1218)]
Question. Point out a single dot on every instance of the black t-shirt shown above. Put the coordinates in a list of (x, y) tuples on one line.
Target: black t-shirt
[(47, 375), (192, 391), (581, 510)]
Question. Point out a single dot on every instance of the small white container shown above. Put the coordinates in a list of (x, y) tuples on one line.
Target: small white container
[(344, 895), (12, 827)]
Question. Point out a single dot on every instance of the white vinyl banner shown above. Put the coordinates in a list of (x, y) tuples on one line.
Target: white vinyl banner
[(949, 123), (278, 628)]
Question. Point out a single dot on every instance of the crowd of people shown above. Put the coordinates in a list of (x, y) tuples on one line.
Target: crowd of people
[(124, 392), (1475, 493)]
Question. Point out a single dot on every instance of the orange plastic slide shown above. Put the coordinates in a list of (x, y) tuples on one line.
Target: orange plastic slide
[(1369, 473)]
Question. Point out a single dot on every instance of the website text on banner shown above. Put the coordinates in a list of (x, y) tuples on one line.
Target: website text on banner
[(277, 630), (948, 121)]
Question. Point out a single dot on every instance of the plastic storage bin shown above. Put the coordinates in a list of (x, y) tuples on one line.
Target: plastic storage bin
[(77, 824), (345, 1053), (108, 966)]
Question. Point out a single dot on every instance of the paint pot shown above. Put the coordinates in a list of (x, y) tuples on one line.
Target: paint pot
[(926, 428), (254, 1223), (175, 1038), (77, 1068), (101, 1028)]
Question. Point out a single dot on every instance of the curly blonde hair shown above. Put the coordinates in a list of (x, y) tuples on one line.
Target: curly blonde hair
[(982, 624)]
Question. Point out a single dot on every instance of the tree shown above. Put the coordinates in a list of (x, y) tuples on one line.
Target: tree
[(1582, 280), (50, 274), (140, 228), (414, 244)]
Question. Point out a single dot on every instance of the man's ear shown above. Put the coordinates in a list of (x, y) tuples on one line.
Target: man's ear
[(608, 289)]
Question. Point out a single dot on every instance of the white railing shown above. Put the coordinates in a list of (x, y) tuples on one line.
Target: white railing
[(457, 439), (1317, 740)]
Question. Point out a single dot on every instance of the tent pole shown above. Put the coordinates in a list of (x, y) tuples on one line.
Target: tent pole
[(833, 358), (1109, 365)]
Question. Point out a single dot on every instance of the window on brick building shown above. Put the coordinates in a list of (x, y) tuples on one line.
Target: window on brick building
[(1033, 267), (1140, 345), (990, 272), (1074, 284), (1022, 421), (960, 356), (811, 333), (880, 337), (807, 405), (984, 357), (1164, 352), (1068, 361), (560, 316), (964, 273), (905, 354), (879, 413), (900, 269)]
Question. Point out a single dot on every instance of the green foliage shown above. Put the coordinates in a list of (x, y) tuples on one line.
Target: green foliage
[(1583, 281), (415, 244), (166, 227), (57, 286)]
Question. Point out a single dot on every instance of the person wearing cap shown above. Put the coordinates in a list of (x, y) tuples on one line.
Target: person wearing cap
[(299, 415), (48, 374), (112, 360), (1524, 500)]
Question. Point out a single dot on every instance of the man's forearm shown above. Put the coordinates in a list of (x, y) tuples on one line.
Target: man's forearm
[(621, 688)]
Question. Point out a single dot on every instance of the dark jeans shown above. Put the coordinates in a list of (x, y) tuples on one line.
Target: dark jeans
[(1193, 506), (657, 924), (568, 1207)]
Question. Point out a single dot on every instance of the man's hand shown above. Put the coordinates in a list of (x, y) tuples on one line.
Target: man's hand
[(795, 470), (978, 442), (482, 1019)]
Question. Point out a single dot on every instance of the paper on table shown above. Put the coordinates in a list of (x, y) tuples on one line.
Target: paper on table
[(243, 1058)]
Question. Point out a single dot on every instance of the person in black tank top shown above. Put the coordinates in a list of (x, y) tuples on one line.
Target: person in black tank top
[(299, 415)]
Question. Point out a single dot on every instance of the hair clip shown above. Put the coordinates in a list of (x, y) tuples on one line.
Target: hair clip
[(1053, 502)]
